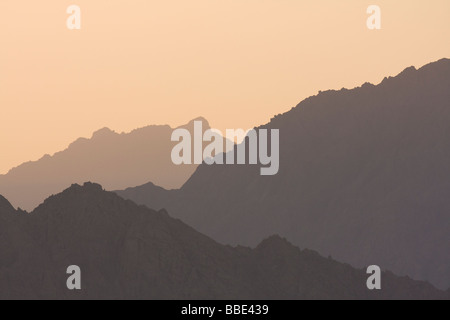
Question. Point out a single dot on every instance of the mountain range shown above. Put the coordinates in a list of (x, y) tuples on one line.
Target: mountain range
[(364, 177), (126, 251), (114, 160)]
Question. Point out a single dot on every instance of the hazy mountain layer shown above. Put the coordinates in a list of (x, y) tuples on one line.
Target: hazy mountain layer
[(364, 177), (130, 252), (115, 160)]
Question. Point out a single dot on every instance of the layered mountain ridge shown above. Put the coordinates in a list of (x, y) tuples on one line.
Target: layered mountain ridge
[(113, 159), (126, 251), (363, 177)]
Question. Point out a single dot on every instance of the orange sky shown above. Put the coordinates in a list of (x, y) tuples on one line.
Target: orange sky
[(235, 62)]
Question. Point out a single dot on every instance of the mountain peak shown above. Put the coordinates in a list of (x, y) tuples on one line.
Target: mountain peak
[(86, 188), (275, 241), (408, 71), (405, 74), (104, 132), (5, 205), (201, 119)]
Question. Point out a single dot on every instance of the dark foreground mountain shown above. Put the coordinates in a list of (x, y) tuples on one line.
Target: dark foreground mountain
[(364, 177), (115, 160), (131, 252)]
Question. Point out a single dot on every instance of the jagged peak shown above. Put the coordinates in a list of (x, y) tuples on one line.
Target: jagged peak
[(404, 74), (201, 119), (104, 132), (88, 189), (274, 241), (5, 205), (442, 66), (408, 70), (87, 186), (438, 64)]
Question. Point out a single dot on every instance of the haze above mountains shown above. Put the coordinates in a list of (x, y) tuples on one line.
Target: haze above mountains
[(126, 251), (364, 177)]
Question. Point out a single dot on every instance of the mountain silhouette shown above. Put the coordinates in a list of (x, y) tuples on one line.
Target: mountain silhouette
[(363, 177), (126, 251), (115, 160)]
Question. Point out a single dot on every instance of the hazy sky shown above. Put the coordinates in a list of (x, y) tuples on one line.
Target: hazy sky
[(235, 62)]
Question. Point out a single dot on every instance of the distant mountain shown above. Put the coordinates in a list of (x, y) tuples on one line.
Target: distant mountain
[(126, 251), (364, 177), (115, 160)]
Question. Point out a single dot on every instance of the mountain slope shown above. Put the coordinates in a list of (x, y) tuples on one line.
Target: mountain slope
[(363, 177), (115, 160), (127, 251)]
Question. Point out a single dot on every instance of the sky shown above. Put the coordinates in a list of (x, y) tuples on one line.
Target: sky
[(235, 62)]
